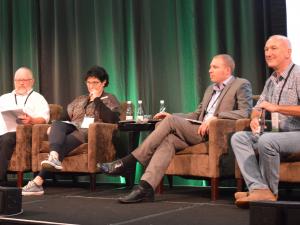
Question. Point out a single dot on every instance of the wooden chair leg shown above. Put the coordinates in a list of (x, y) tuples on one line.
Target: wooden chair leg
[(92, 181), (54, 178), (214, 188), (239, 184), (75, 179), (20, 175)]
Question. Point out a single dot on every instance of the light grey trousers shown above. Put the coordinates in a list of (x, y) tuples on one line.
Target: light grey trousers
[(172, 134), (271, 147)]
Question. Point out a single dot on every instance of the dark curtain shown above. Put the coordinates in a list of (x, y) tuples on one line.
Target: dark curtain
[(152, 49)]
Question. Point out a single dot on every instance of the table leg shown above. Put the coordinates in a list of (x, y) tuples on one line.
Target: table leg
[(133, 142)]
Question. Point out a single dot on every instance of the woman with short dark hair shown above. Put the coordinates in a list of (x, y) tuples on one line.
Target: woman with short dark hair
[(72, 130)]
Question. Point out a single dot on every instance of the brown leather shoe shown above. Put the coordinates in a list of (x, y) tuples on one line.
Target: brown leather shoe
[(256, 195), (240, 194)]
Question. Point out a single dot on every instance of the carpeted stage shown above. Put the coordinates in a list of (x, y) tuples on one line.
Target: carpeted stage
[(65, 204)]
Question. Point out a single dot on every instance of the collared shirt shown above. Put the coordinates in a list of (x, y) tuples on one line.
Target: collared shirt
[(33, 103), (211, 108), (290, 95), (81, 107)]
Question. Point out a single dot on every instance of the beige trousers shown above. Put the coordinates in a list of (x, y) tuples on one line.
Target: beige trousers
[(155, 153)]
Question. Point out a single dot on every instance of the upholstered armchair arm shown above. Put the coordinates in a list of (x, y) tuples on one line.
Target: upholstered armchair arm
[(242, 124), (23, 147), (39, 134), (220, 131), (100, 144)]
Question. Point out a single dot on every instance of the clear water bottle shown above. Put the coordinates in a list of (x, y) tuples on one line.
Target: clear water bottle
[(262, 123), (129, 111), (140, 111), (162, 107)]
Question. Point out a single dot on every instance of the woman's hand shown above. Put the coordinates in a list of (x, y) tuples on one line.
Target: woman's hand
[(94, 94)]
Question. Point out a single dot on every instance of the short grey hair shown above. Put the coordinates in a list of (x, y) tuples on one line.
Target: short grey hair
[(282, 38), (228, 61)]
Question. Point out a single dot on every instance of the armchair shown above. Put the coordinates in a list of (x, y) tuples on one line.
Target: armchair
[(209, 160), (21, 158), (101, 147)]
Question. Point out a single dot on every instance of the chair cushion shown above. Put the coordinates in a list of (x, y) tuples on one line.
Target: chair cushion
[(290, 171), (188, 165), (82, 149), (201, 148)]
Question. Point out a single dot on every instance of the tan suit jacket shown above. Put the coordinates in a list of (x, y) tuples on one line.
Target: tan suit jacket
[(235, 101)]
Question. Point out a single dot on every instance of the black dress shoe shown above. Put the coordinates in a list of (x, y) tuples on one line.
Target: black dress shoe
[(139, 194), (115, 168)]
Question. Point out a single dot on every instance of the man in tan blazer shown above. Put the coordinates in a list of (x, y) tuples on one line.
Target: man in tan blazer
[(227, 98)]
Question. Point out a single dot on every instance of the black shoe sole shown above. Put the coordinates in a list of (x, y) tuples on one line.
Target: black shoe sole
[(135, 201)]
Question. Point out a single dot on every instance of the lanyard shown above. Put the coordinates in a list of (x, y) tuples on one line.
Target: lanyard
[(285, 81), (213, 104), (25, 99)]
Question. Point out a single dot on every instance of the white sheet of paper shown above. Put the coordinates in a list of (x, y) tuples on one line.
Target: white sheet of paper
[(10, 117), (87, 121), (275, 121), (194, 121), (69, 122)]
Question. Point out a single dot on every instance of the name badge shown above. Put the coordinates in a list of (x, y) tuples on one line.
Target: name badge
[(87, 121), (275, 121)]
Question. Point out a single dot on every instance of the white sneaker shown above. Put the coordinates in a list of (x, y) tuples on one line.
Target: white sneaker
[(51, 164), (32, 189)]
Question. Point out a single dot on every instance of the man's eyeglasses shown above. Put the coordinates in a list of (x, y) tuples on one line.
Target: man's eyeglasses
[(92, 82), (22, 80)]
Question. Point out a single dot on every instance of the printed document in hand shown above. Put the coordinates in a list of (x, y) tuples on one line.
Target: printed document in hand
[(194, 121), (69, 122), (10, 118)]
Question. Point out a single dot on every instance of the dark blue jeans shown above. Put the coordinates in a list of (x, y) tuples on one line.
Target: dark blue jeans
[(62, 141), (7, 147)]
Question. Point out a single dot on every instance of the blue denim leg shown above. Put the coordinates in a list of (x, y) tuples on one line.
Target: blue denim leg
[(243, 145), (272, 147)]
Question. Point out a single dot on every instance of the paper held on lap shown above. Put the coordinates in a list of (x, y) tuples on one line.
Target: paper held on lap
[(10, 118), (194, 121)]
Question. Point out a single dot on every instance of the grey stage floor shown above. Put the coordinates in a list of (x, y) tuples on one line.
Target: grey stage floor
[(179, 206)]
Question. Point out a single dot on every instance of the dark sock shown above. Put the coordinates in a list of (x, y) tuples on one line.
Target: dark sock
[(145, 185), (129, 161)]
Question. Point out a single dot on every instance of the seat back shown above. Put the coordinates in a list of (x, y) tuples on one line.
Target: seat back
[(55, 112)]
